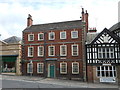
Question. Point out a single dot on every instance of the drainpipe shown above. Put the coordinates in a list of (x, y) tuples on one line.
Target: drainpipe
[(45, 63)]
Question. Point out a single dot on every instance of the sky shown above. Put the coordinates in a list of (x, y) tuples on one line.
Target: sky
[(14, 13)]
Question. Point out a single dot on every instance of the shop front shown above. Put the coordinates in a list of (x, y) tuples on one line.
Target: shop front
[(9, 63)]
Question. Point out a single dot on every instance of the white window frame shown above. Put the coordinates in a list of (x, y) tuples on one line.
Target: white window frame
[(61, 51), (40, 68), (29, 51), (75, 35), (28, 67), (111, 53), (53, 35), (61, 35), (39, 36), (113, 74), (73, 68), (61, 72), (41, 52), (29, 37), (105, 39), (73, 50), (50, 51)]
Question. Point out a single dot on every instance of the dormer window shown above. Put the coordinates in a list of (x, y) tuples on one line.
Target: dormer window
[(30, 37)]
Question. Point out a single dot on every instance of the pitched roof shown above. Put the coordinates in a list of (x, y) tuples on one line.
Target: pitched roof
[(109, 32), (55, 26), (12, 39), (91, 37), (115, 27)]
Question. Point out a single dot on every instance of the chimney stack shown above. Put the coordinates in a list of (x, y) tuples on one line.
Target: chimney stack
[(82, 14), (29, 20), (93, 30), (85, 19)]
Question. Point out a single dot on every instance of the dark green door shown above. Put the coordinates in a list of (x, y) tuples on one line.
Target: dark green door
[(52, 71)]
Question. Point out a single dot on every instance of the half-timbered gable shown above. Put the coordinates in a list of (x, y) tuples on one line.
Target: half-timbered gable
[(104, 49), (103, 54)]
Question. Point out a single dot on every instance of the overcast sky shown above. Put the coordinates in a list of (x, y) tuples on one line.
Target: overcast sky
[(14, 13)]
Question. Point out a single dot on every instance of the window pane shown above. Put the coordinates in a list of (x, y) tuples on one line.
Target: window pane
[(63, 50), (63, 35), (63, 68), (51, 51), (102, 68), (51, 35), (98, 68), (74, 34), (98, 73), (103, 74), (41, 36), (111, 74), (74, 50), (75, 68), (115, 73)]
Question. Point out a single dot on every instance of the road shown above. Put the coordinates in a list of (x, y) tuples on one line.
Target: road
[(39, 82), (14, 84), (28, 84)]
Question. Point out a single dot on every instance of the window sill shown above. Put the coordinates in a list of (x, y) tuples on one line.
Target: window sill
[(30, 56), (75, 55)]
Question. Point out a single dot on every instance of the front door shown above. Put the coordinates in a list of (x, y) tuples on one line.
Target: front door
[(52, 71)]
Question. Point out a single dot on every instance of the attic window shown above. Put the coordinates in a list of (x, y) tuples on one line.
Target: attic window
[(105, 39)]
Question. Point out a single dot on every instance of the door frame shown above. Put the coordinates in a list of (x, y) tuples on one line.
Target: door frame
[(48, 73)]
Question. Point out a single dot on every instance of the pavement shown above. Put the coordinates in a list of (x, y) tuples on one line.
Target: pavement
[(71, 83)]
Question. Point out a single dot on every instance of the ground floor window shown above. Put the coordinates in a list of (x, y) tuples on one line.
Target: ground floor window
[(63, 68), (106, 71), (30, 68), (40, 67), (75, 68)]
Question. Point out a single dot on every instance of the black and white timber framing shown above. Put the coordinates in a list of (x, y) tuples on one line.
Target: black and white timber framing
[(104, 49)]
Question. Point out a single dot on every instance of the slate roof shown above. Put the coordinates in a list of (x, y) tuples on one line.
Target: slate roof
[(55, 26), (12, 39), (115, 27), (91, 37)]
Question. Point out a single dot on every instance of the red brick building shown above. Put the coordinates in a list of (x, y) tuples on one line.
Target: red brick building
[(55, 49)]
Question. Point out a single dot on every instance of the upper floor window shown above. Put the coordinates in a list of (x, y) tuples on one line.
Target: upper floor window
[(41, 36), (106, 71), (75, 50), (106, 52), (51, 50), (30, 68), (63, 68), (105, 38), (30, 37), (63, 50), (51, 35), (74, 34), (63, 35), (30, 51), (75, 68), (40, 51), (40, 67)]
